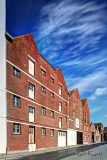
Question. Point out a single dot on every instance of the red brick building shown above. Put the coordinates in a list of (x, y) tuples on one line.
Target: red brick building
[(92, 133), (86, 121), (37, 98), (75, 132)]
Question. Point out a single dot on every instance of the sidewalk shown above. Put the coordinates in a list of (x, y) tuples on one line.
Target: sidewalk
[(38, 151)]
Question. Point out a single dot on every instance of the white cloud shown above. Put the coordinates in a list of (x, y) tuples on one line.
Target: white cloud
[(98, 92), (88, 83), (95, 109)]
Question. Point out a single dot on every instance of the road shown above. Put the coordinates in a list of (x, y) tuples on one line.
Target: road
[(74, 153)]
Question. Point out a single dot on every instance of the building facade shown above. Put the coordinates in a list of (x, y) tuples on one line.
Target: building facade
[(75, 131), (92, 133), (105, 133), (3, 107), (37, 98), (86, 122), (99, 132)]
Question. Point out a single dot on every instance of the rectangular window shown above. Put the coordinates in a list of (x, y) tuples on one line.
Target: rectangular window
[(31, 110), (31, 90), (43, 131), (43, 72), (60, 122), (31, 67), (60, 89), (16, 128), (16, 101), (43, 111), (52, 94), (60, 106), (65, 118), (31, 114), (65, 103), (16, 72), (52, 132), (52, 114), (43, 89), (52, 79), (73, 115)]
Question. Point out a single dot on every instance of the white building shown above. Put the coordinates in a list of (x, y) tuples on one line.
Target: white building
[(3, 114)]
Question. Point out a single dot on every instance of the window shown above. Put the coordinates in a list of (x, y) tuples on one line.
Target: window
[(60, 106), (16, 72), (84, 128), (43, 89), (31, 90), (60, 89), (43, 111), (65, 103), (43, 72), (16, 101), (31, 110), (52, 114), (52, 79), (31, 67), (60, 122), (73, 115), (31, 114), (43, 130), (52, 94), (73, 105), (16, 128), (52, 132), (65, 119)]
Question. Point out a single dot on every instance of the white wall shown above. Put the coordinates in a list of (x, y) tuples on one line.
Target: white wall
[(3, 108), (72, 137)]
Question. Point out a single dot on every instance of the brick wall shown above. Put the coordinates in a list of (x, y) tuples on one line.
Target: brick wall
[(18, 54)]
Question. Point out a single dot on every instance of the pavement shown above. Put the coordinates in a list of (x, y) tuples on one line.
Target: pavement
[(14, 156)]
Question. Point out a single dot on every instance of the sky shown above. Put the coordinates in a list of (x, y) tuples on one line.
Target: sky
[(71, 34)]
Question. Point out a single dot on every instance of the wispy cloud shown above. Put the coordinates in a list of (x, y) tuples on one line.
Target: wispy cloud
[(98, 92), (88, 83), (95, 109), (105, 115)]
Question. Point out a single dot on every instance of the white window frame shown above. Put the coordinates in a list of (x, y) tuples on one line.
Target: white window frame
[(16, 101), (60, 89), (60, 106), (60, 122), (52, 132), (43, 111), (16, 128), (43, 131), (31, 110), (43, 72), (52, 79), (43, 89), (16, 71), (52, 114), (52, 94), (31, 67), (31, 90)]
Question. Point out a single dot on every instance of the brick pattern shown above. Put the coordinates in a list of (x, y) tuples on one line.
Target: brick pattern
[(18, 54), (76, 107)]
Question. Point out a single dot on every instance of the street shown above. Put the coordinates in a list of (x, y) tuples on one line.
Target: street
[(77, 153)]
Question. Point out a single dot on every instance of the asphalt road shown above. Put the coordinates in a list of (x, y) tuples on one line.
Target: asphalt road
[(73, 153)]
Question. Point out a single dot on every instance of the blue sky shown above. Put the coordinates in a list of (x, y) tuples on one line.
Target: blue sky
[(71, 34)]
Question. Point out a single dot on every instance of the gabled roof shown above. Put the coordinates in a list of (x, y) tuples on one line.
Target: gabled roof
[(84, 101), (98, 124), (73, 91)]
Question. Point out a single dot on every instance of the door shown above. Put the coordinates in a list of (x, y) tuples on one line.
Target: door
[(62, 138), (31, 134)]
